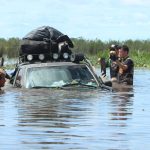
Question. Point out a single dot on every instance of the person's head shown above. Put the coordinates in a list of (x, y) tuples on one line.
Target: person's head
[(123, 51), (114, 48), (2, 78)]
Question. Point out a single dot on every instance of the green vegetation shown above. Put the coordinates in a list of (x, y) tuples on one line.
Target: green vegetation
[(9, 47), (139, 49)]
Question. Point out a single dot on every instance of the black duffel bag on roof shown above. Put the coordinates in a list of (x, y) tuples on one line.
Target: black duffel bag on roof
[(34, 47), (44, 39)]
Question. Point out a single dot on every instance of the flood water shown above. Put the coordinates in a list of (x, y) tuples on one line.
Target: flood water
[(77, 120)]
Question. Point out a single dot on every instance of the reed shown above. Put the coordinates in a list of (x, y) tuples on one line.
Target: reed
[(140, 58)]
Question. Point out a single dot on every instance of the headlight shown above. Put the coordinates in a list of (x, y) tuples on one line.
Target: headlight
[(65, 55), (29, 57), (55, 56), (41, 57), (76, 57)]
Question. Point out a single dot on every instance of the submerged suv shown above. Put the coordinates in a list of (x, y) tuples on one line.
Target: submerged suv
[(46, 60), (73, 71)]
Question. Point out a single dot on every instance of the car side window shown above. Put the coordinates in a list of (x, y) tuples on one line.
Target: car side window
[(18, 80)]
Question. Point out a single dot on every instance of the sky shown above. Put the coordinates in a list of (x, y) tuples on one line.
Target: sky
[(89, 19)]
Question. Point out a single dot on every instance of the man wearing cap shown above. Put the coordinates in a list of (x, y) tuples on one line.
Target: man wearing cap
[(114, 49), (126, 66), (2, 78), (110, 63)]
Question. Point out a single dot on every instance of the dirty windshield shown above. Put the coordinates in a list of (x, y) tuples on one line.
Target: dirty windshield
[(59, 76)]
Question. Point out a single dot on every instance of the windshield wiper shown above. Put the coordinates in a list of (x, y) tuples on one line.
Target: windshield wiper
[(78, 82), (38, 87)]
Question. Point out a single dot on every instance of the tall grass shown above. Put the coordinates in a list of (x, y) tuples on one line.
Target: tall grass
[(140, 58)]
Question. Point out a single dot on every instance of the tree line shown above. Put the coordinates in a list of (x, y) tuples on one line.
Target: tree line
[(10, 47)]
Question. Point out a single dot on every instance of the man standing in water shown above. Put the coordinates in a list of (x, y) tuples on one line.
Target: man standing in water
[(114, 50), (2, 78), (110, 63), (126, 66)]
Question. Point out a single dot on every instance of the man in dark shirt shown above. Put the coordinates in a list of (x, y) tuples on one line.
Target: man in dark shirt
[(126, 66), (114, 49)]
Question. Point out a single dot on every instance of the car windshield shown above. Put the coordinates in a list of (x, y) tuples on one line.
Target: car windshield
[(59, 76)]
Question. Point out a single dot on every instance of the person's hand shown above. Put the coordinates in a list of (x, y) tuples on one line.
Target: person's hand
[(102, 61), (113, 57)]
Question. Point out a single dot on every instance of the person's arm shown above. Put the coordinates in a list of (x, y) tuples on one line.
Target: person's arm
[(2, 62), (121, 65), (114, 58), (7, 76)]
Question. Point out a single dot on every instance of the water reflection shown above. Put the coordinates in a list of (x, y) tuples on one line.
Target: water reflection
[(49, 117), (122, 101), (59, 119), (2, 92)]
